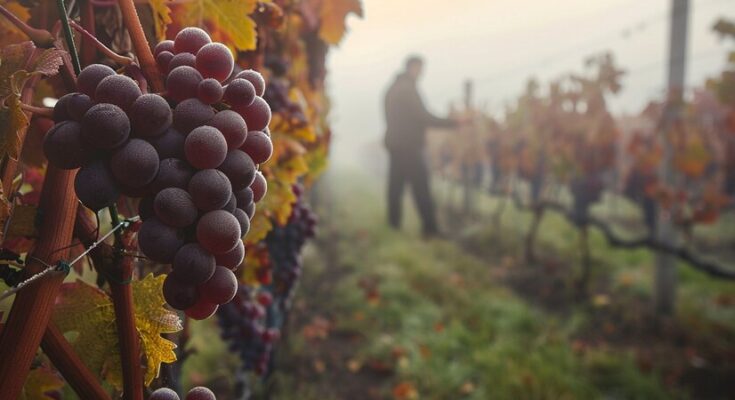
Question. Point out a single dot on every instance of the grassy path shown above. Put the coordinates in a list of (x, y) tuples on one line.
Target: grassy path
[(384, 314)]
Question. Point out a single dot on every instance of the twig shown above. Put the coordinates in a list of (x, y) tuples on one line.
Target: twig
[(40, 111), (40, 37), (140, 43), (68, 36), (122, 299), (683, 253), (122, 60)]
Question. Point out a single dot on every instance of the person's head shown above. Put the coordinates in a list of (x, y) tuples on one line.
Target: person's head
[(414, 65)]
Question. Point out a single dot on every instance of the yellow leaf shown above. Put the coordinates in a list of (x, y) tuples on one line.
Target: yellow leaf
[(228, 19), (260, 225), (9, 33), (333, 15), (40, 381), (151, 320), (12, 122), (88, 312), (161, 17)]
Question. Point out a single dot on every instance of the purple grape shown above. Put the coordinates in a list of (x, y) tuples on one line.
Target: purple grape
[(193, 265), (172, 172), (105, 126), (239, 168), (91, 76), (174, 207), (158, 241), (135, 164), (257, 115), (205, 147), (239, 93), (150, 116), (259, 147), (255, 78), (232, 126), (95, 186), (190, 40), (210, 91), (64, 147), (214, 60), (119, 90), (170, 144), (218, 231), (210, 189), (179, 295), (190, 114)]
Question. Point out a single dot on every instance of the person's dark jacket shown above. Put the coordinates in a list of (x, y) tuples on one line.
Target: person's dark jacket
[(406, 116)]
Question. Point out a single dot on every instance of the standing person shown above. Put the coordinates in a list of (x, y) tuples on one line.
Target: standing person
[(406, 120)]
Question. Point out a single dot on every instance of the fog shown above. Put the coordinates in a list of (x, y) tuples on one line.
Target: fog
[(499, 44)]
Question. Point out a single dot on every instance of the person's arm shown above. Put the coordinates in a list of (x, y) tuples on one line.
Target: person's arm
[(430, 119)]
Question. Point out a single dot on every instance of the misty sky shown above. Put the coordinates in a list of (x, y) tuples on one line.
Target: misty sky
[(500, 43)]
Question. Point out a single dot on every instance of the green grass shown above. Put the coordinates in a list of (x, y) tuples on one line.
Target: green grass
[(458, 332)]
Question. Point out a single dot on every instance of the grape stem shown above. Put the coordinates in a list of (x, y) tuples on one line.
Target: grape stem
[(122, 296), (40, 37), (68, 36), (40, 111), (119, 59), (140, 43)]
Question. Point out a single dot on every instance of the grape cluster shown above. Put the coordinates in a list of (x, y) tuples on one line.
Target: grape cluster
[(194, 168), (196, 393), (251, 322), (244, 326), (285, 244)]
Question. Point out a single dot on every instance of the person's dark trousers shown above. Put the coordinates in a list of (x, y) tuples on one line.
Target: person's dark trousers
[(410, 168)]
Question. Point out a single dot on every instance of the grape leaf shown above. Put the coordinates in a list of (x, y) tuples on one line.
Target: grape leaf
[(89, 312), (48, 62), (40, 381), (151, 320), (13, 58), (14, 66), (333, 14), (260, 225), (161, 17), (9, 33), (228, 20), (12, 122)]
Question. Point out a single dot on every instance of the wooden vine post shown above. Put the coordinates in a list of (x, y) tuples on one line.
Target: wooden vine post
[(31, 310)]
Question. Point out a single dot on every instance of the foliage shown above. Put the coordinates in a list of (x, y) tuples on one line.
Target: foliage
[(88, 313)]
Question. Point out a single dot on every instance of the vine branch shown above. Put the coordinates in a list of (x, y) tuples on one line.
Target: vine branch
[(140, 43), (68, 36), (681, 252), (40, 37)]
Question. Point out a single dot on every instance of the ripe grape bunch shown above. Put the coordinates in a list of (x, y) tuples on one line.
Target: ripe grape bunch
[(285, 244), (190, 154), (243, 322)]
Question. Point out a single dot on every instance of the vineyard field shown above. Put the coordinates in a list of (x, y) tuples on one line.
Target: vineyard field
[(388, 315)]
